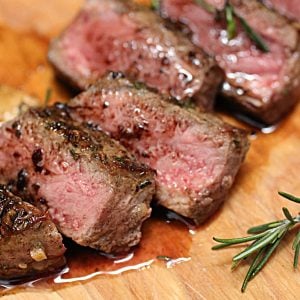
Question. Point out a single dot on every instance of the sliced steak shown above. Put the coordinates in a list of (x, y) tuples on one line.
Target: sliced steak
[(196, 156), (96, 193), (263, 85), (288, 8), (29, 241), (115, 35)]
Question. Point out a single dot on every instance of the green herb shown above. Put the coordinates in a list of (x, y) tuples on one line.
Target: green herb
[(289, 197), (230, 22), (206, 6), (155, 4), (230, 16), (254, 36), (265, 238), (164, 258), (139, 85), (47, 96)]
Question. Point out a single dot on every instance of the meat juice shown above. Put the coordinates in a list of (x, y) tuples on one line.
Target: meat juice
[(166, 240)]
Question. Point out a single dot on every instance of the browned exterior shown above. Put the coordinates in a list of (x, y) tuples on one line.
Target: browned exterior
[(44, 139), (30, 244)]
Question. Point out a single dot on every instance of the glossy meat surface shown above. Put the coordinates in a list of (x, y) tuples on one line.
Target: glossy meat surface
[(115, 35), (195, 156), (264, 85), (88, 182)]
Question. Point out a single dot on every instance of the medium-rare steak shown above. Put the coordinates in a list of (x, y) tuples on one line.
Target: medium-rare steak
[(96, 193), (29, 241), (196, 156), (115, 35), (264, 85), (288, 8)]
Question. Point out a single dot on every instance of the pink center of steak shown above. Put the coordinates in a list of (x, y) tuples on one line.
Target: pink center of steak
[(185, 158), (102, 39), (245, 65), (74, 193), (76, 198)]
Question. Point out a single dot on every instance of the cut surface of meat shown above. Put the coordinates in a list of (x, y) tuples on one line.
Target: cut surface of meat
[(264, 85), (115, 35), (30, 244), (95, 192), (288, 8), (196, 156)]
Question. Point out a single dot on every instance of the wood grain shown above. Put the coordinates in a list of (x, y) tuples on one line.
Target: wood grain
[(26, 26)]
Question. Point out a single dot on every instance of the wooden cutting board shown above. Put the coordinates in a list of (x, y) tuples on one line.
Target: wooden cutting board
[(273, 164)]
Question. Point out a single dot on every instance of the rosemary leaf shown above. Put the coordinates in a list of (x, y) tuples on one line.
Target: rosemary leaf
[(296, 247), (265, 240), (289, 197), (251, 269), (47, 96), (155, 4), (235, 264), (296, 257), (297, 240), (263, 227), (231, 24), (221, 246), (239, 240), (206, 6), (163, 258), (268, 254), (288, 215), (254, 36)]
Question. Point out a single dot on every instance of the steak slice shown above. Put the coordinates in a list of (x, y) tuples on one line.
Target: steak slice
[(115, 35), (196, 156), (263, 85), (288, 8), (96, 193), (29, 241)]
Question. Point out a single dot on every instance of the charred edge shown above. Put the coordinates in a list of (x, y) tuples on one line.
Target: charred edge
[(143, 184), (15, 215), (22, 180), (17, 127), (37, 160), (127, 164)]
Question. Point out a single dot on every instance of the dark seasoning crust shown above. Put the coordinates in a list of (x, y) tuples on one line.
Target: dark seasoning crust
[(50, 135), (16, 215), (30, 244), (87, 146), (84, 142)]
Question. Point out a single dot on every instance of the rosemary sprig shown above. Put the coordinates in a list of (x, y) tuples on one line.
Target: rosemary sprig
[(265, 239), (289, 197), (230, 22), (206, 6), (155, 4), (230, 16), (254, 36), (47, 96)]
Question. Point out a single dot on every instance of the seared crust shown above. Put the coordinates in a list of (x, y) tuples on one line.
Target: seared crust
[(29, 241), (133, 126), (54, 146)]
